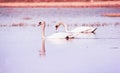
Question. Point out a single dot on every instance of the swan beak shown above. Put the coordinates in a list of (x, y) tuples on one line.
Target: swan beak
[(39, 23)]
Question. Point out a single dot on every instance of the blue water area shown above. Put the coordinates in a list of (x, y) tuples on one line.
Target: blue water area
[(22, 50)]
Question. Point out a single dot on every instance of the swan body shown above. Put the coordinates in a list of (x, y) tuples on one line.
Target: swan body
[(60, 35), (78, 29), (84, 30)]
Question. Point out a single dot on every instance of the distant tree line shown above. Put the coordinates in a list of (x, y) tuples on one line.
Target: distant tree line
[(52, 0)]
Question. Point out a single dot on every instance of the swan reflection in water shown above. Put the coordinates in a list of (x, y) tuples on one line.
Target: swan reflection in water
[(63, 41), (52, 41), (42, 50)]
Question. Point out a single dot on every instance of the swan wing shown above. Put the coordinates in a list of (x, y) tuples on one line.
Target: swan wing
[(83, 29)]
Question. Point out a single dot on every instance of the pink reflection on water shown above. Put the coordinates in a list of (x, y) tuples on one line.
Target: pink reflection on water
[(42, 50)]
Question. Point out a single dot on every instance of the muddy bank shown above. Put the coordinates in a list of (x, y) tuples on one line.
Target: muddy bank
[(112, 15)]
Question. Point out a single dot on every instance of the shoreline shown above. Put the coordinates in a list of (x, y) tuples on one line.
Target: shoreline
[(111, 14), (62, 4)]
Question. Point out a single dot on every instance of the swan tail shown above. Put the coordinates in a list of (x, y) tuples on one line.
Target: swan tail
[(91, 30), (94, 30)]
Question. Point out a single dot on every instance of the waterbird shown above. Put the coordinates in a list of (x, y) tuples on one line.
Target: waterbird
[(82, 29), (58, 35)]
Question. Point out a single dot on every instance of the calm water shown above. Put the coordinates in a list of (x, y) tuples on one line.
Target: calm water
[(23, 51)]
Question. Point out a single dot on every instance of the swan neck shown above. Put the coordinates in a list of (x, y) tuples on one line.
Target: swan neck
[(43, 31), (66, 28)]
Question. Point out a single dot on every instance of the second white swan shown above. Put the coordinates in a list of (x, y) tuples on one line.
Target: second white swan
[(78, 29)]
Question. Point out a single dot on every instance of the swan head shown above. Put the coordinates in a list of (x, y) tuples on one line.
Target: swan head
[(56, 27), (58, 24), (67, 37), (41, 23)]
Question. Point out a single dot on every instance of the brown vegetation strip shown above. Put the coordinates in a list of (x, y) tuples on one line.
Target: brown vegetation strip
[(112, 14), (63, 4)]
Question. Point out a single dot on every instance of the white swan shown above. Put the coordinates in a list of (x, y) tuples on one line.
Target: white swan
[(78, 29), (60, 35)]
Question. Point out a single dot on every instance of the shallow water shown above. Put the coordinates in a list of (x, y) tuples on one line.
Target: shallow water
[(52, 15), (23, 51)]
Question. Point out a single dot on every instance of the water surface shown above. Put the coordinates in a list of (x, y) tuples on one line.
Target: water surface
[(23, 51)]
